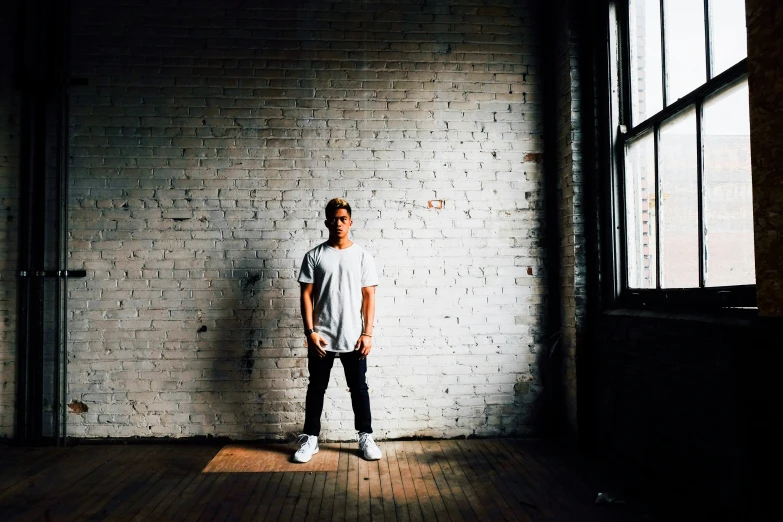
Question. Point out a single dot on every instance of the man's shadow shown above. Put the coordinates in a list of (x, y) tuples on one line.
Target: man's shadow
[(258, 378)]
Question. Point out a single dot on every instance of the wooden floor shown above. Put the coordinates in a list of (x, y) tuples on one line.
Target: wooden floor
[(497, 479)]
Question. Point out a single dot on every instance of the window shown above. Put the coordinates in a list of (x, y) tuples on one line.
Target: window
[(686, 218)]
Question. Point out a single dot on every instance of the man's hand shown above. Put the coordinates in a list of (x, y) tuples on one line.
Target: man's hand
[(316, 343), (363, 345)]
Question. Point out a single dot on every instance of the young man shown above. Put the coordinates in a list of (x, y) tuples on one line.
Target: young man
[(337, 283)]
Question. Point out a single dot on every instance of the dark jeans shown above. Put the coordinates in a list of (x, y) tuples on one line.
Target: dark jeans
[(355, 375)]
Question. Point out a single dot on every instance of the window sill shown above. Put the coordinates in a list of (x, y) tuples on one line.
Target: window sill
[(724, 316)]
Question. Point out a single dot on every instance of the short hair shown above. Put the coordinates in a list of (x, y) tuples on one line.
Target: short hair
[(334, 205)]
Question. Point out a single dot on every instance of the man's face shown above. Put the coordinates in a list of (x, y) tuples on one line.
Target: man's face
[(339, 224)]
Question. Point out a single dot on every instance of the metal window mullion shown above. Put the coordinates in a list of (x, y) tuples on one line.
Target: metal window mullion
[(624, 118), (663, 53), (616, 158), (626, 83), (707, 39), (700, 193), (658, 208), (727, 77)]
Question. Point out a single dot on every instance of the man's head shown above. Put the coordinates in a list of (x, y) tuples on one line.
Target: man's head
[(336, 204), (338, 218)]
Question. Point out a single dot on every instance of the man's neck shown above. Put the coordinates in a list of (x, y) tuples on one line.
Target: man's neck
[(338, 243)]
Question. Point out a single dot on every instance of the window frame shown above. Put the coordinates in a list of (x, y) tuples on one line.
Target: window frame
[(624, 131)]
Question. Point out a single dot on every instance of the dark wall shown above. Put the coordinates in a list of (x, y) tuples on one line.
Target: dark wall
[(10, 102), (689, 402)]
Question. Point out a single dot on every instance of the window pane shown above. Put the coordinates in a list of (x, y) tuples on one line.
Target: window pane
[(728, 37), (646, 69), (686, 63), (640, 211), (679, 203), (728, 198)]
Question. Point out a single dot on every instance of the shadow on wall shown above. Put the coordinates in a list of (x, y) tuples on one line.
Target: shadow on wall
[(255, 384), (8, 238)]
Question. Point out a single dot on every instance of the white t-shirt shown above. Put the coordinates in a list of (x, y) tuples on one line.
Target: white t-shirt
[(338, 277)]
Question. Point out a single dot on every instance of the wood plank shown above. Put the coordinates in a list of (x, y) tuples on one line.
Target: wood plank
[(397, 487), (180, 503), (423, 496), (489, 505), (472, 506), (134, 470), (172, 486), (364, 498), (202, 501), (550, 473), (134, 488), (352, 486), (327, 500), (218, 507), (93, 486), (165, 473), (501, 475), (290, 501), (189, 496), (540, 489), (76, 465), (385, 489), (148, 503), (492, 479), (179, 466), (372, 478), (314, 503), (299, 508), (238, 498), (272, 489), (364, 509), (431, 488), (69, 489), (341, 486), (22, 464), (475, 501), (415, 509), (254, 504), (283, 489), (440, 478), (572, 477)]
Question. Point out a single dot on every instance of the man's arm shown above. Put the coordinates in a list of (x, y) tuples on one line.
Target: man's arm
[(314, 341), (364, 344)]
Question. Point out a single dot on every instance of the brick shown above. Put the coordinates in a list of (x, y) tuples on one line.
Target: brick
[(225, 168)]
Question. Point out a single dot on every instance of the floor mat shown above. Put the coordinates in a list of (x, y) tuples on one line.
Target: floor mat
[(259, 458)]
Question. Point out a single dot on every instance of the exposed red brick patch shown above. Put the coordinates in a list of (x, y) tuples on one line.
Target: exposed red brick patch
[(77, 407), (535, 157), (530, 270)]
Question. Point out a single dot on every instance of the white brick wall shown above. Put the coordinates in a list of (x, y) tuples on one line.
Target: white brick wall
[(570, 205), (203, 151), (9, 221)]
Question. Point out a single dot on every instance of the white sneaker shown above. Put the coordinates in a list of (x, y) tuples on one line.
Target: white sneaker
[(308, 446), (368, 447)]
